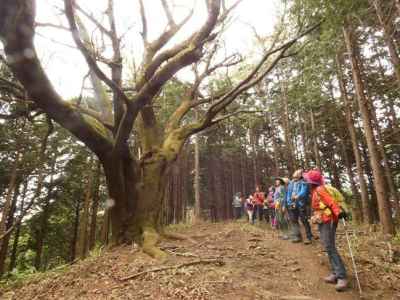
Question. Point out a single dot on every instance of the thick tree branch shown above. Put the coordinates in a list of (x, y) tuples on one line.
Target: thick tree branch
[(69, 11), (249, 81), (232, 114), (191, 100), (116, 67), (168, 13), (17, 32), (254, 77), (103, 103), (150, 65), (96, 115), (51, 25), (189, 52), (144, 22), (93, 20)]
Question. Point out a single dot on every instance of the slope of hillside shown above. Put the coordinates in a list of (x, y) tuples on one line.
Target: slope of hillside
[(221, 261)]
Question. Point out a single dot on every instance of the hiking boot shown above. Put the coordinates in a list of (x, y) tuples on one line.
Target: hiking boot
[(307, 242), (296, 240), (341, 285), (331, 279)]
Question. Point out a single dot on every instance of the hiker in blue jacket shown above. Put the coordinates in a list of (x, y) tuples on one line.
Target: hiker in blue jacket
[(297, 200)]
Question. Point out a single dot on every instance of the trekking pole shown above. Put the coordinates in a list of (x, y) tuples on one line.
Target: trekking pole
[(352, 256)]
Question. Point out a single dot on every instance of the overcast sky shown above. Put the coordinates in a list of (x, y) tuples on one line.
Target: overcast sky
[(66, 67)]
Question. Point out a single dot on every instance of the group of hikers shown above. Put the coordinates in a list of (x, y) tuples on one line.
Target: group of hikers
[(306, 198)]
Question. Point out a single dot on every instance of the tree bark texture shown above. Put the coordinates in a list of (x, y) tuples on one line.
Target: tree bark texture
[(354, 142), (378, 174)]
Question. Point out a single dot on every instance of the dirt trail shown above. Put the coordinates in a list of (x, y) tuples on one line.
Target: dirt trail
[(251, 263)]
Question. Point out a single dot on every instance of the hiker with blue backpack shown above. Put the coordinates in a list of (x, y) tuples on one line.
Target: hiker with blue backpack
[(297, 200), (325, 202)]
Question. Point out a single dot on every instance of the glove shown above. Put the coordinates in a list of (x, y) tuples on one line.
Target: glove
[(316, 219)]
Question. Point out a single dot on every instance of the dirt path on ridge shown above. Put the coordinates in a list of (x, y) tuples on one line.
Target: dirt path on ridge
[(256, 265)]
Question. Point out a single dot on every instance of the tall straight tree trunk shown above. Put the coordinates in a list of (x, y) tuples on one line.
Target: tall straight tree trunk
[(274, 147), (212, 199), (356, 203), (253, 137), (82, 246), (335, 172), (74, 239), (95, 206), (287, 132), (105, 227), (7, 208), (243, 172), (196, 180), (354, 142), (9, 223), (392, 119), (314, 138), (387, 32), (304, 142), (13, 257), (379, 181), (395, 131), (386, 165), (373, 203), (42, 232), (397, 2)]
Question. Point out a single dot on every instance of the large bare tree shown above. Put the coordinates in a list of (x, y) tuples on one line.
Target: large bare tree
[(136, 184)]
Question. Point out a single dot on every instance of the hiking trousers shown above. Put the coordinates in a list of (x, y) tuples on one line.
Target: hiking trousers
[(266, 215), (237, 212), (296, 214), (258, 211), (250, 214), (281, 221), (328, 238)]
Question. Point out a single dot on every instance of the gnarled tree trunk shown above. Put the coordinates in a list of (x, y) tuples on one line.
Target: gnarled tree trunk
[(133, 220)]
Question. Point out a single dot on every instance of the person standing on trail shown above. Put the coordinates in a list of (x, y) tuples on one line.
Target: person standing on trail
[(266, 208), (279, 200), (259, 198), (297, 198), (271, 206), (250, 208), (243, 204), (237, 206), (326, 212)]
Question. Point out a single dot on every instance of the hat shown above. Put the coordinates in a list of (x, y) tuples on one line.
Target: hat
[(314, 177)]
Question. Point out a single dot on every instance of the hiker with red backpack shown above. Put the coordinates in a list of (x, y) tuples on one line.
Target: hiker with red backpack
[(326, 211), (259, 198)]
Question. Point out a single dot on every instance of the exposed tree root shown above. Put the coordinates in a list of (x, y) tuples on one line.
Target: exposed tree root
[(186, 254), (177, 237), (149, 245), (217, 262)]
